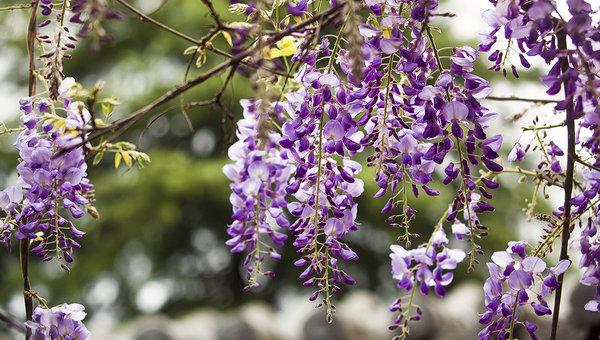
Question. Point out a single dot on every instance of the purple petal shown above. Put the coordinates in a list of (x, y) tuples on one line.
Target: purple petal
[(592, 306), (519, 279), (560, 268), (333, 130), (540, 309), (534, 265), (456, 111), (390, 45)]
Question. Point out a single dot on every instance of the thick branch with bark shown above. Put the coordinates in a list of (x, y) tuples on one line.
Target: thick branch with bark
[(568, 185), (120, 126)]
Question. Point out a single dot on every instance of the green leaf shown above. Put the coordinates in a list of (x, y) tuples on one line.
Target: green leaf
[(278, 3), (112, 100), (126, 158), (227, 37), (201, 59), (190, 50), (372, 21), (126, 145), (98, 157), (117, 159), (107, 109)]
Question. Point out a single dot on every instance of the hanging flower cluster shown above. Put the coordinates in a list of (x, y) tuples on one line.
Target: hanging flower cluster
[(424, 256), (417, 113), (421, 112), (52, 176), (588, 242), (396, 99), (61, 322), (320, 137), (259, 177), (536, 29), (434, 254), (57, 46), (519, 272)]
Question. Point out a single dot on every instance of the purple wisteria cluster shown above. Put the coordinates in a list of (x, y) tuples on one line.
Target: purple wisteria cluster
[(320, 137), (61, 323), (259, 178), (90, 14), (87, 13), (538, 28), (417, 111), (519, 272), (433, 254), (423, 113), (588, 241), (403, 105), (55, 46), (322, 184), (51, 177), (430, 260)]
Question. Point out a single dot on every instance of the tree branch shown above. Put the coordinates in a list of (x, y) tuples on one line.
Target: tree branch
[(568, 184), (17, 325), (31, 37), (120, 126), (147, 19), (24, 244), (202, 42), (519, 99)]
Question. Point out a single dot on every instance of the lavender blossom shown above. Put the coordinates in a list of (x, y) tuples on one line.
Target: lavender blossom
[(519, 274), (60, 322), (52, 174), (258, 193), (425, 256)]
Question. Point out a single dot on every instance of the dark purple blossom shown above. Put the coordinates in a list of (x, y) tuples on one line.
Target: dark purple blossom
[(297, 9)]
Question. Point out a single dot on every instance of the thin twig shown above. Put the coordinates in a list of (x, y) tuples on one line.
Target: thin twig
[(147, 19), (31, 38), (12, 8), (202, 42), (581, 161), (120, 126), (519, 99), (125, 123), (24, 257), (214, 13), (225, 54), (17, 325)]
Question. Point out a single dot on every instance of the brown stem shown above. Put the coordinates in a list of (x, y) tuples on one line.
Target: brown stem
[(16, 325), (120, 126), (24, 254), (568, 184), (519, 99), (147, 19), (31, 36), (24, 244)]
